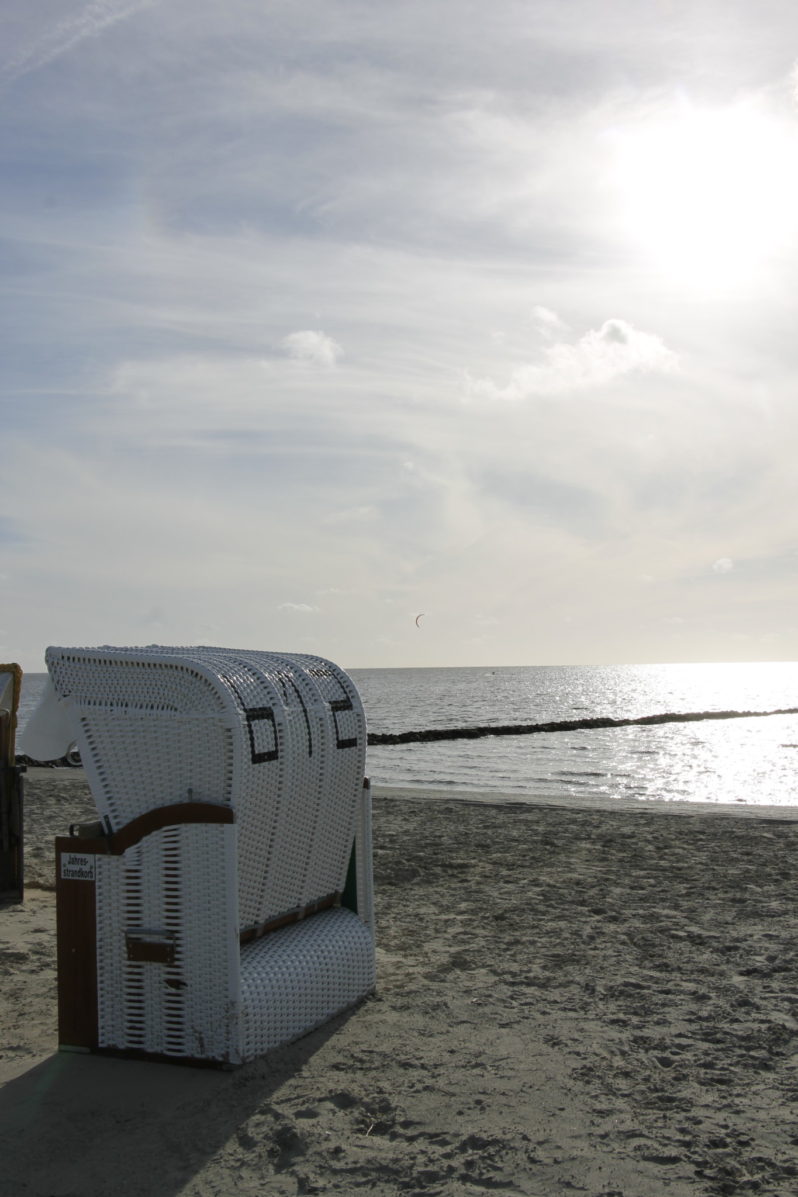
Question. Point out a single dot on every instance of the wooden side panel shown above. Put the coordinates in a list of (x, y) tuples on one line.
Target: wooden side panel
[(76, 914), (77, 936)]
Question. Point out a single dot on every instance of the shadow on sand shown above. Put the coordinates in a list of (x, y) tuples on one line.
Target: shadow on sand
[(91, 1125)]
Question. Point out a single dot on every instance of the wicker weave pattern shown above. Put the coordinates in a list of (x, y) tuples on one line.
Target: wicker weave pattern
[(280, 738), (298, 978), (177, 885)]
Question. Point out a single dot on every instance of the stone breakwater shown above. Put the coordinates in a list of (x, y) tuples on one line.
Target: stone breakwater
[(432, 734), (563, 725)]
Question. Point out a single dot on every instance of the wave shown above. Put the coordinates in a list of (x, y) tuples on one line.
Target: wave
[(563, 725)]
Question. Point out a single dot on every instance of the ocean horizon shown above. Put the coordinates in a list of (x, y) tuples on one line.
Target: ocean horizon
[(749, 759)]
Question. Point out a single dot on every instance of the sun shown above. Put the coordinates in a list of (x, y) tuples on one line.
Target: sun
[(708, 196)]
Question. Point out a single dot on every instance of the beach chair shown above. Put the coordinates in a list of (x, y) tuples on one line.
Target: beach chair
[(222, 905), (11, 837)]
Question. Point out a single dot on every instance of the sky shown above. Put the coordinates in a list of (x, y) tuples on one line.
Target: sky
[(318, 315)]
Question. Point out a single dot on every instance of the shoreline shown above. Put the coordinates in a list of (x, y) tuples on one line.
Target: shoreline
[(569, 999), (67, 800), (508, 800)]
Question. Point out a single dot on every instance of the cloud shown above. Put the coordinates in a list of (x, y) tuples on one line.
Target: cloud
[(204, 204), (723, 565), (548, 323), (314, 347), (89, 22), (595, 360)]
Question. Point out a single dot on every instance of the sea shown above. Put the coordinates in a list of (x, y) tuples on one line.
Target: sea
[(750, 760)]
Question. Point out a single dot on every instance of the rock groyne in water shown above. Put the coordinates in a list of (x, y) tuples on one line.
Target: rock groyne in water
[(562, 725)]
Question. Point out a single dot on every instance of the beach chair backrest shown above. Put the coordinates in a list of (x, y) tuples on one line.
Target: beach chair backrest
[(280, 738)]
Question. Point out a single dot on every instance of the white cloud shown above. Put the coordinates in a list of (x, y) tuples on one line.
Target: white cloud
[(595, 360), (723, 565), (429, 194), (315, 347), (548, 323), (794, 82)]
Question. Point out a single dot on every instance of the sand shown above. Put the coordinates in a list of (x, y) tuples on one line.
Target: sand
[(570, 1001)]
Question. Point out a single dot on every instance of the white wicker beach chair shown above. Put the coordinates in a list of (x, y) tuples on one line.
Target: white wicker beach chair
[(223, 905)]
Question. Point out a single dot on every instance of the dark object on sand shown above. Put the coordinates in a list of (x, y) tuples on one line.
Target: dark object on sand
[(11, 873)]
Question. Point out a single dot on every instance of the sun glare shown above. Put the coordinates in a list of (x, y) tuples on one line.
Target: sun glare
[(709, 196)]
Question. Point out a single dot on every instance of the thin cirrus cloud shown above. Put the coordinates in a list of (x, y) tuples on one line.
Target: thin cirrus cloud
[(252, 251), (65, 35)]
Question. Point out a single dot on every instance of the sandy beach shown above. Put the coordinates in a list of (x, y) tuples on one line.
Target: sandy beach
[(570, 1000)]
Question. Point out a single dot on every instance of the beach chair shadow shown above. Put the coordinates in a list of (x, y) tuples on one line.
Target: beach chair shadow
[(222, 904), (76, 1122)]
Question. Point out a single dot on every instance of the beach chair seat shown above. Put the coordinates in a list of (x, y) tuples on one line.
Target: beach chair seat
[(223, 905)]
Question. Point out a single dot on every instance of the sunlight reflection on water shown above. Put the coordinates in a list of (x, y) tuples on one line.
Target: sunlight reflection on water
[(752, 761), (743, 760)]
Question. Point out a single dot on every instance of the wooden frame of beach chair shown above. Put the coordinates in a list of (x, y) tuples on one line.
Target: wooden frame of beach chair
[(223, 904), (11, 831)]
